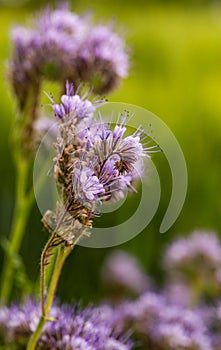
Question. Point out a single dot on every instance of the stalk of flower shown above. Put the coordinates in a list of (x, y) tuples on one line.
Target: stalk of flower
[(56, 48), (91, 165)]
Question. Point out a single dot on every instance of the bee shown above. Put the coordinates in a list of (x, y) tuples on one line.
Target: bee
[(123, 167)]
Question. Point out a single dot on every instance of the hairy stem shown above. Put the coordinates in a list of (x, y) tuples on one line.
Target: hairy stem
[(43, 263), (62, 254)]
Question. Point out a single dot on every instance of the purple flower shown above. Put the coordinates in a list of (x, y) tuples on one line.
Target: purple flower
[(106, 47), (110, 156), (196, 261), (86, 185), (121, 274), (108, 144), (86, 329), (181, 328), (177, 291), (64, 21), (200, 245), (64, 46), (73, 107), (162, 325), (94, 163)]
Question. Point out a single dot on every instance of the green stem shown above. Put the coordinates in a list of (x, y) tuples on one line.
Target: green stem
[(62, 254), (36, 335), (21, 213), (61, 257)]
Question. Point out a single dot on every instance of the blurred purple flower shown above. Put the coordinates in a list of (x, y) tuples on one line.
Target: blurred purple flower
[(104, 56), (122, 275), (73, 329), (163, 325), (64, 46), (195, 261), (200, 245), (178, 292)]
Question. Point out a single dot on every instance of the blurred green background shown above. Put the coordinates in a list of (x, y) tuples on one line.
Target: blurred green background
[(176, 74)]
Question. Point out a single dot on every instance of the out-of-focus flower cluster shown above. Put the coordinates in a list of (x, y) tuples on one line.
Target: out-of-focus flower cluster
[(73, 329), (122, 275), (64, 46), (195, 262), (185, 314), (94, 162), (150, 316), (163, 325)]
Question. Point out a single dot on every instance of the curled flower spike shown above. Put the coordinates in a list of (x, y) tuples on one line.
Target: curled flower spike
[(111, 158), (94, 162)]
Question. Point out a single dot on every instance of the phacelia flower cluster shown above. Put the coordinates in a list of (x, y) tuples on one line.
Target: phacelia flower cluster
[(74, 329), (122, 275), (196, 261), (64, 46), (94, 163), (162, 325), (186, 312)]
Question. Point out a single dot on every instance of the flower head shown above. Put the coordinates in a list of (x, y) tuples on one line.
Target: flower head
[(121, 274), (196, 261), (61, 46), (95, 162), (105, 58), (111, 158), (86, 185), (73, 107), (74, 329), (162, 325)]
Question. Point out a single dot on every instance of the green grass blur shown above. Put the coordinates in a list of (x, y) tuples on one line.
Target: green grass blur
[(176, 74)]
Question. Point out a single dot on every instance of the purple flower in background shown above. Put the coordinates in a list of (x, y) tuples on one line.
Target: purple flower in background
[(200, 245), (64, 46), (162, 325), (105, 58), (73, 329), (103, 45), (195, 261), (63, 20), (122, 275), (177, 291), (181, 328)]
